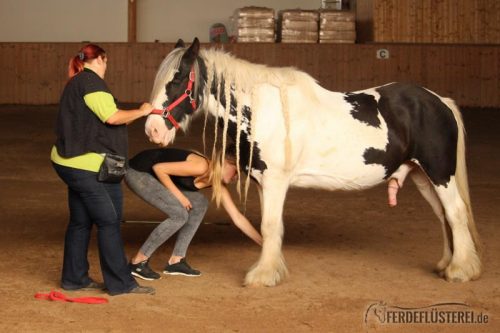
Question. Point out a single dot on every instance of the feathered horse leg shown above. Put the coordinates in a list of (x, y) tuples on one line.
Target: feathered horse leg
[(429, 193), (271, 268)]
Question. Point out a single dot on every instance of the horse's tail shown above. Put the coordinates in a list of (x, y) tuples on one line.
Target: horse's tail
[(461, 173)]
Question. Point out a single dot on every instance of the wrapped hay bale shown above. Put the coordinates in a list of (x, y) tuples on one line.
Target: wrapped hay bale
[(332, 36), (254, 24), (298, 26), (337, 26)]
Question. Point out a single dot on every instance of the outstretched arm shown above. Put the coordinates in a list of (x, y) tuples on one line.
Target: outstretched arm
[(121, 117), (239, 219)]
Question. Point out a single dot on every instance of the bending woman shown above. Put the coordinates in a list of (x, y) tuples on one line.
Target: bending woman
[(170, 179)]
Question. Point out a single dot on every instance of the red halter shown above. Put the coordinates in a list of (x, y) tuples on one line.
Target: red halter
[(165, 113)]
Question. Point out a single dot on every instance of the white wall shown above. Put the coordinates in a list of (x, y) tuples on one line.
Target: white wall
[(168, 21), (106, 20), (63, 20)]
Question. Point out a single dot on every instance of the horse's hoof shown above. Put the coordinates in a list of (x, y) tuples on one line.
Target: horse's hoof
[(440, 272), (441, 267), (262, 279), (454, 273), (265, 277), (462, 273)]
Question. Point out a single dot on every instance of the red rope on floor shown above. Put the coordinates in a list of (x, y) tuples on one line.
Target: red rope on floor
[(58, 296)]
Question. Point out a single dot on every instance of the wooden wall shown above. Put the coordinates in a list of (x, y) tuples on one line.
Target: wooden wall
[(35, 73), (429, 21)]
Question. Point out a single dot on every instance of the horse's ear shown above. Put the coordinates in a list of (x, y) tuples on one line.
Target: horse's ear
[(194, 49), (180, 43), (192, 52)]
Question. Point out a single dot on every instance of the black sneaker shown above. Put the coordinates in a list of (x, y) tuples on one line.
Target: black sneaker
[(144, 290), (143, 271), (181, 268), (92, 286)]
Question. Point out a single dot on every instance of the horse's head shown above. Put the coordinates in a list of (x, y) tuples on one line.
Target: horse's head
[(174, 96)]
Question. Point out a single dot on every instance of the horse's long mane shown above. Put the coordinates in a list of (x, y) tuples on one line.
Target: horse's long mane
[(250, 74), (166, 72), (242, 77)]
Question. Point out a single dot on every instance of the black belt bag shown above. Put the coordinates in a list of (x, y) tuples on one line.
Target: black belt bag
[(113, 169)]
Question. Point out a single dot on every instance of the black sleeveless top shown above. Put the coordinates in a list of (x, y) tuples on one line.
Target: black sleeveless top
[(145, 160)]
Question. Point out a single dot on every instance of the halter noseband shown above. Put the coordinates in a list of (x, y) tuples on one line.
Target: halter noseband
[(165, 112)]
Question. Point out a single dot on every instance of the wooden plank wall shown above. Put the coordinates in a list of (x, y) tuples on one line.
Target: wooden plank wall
[(35, 73), (432, 21)]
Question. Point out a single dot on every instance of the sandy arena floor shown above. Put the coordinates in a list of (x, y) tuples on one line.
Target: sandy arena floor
[(348, 253)]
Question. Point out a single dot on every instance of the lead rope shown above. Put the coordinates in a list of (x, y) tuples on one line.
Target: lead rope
[(58, 296)]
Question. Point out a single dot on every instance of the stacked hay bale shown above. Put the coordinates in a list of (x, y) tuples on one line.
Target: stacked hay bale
[(337, 26), (298, 26), (254, 24)]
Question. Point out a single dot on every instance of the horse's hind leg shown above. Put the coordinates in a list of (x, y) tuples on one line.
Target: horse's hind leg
[(270, 269), (427, 190), (465, 264)]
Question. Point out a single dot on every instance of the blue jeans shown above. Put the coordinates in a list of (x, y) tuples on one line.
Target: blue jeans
[(93, 202)]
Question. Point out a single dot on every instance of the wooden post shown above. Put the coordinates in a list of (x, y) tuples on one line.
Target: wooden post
[(364, 20), (132, 21)]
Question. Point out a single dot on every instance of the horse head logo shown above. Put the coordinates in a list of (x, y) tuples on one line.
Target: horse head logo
[(379, 310)]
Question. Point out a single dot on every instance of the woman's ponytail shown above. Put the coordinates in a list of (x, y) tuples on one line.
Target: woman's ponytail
[(75, 66), (216, 177), (216, 170), (88, 52)]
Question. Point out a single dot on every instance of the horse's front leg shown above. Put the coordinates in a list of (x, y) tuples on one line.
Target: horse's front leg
[(271, 268)]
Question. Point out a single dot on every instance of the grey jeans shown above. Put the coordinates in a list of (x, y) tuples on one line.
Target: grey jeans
[(179, 219)]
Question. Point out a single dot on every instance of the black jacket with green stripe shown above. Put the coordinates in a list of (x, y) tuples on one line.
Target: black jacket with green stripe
[(78, 129)]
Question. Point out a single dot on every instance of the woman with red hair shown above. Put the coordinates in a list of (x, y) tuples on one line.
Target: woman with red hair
[(89, 128)]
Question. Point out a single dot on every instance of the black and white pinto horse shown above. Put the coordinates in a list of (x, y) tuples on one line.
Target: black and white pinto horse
[(289, 131)]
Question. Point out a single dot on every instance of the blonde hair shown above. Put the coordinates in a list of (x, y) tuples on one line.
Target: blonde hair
[(215, 177)]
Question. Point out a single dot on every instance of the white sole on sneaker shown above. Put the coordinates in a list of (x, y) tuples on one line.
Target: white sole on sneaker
[(144, 278), (179, 273)]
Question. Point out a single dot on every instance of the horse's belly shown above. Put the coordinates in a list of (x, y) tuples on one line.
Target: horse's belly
[(355, 178), (332, 156)]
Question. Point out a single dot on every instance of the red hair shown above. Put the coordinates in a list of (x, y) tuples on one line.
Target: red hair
[(86, 53)]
